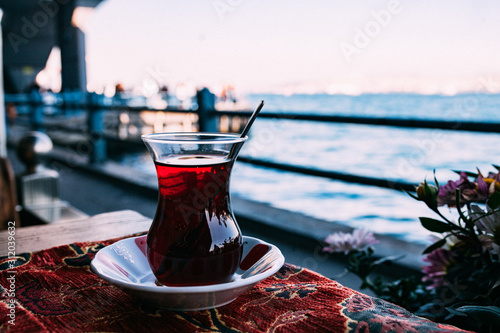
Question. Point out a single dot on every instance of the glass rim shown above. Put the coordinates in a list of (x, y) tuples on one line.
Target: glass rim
[(193, 138)]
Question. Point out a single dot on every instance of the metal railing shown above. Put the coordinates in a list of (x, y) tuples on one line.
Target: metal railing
[(93, 129)]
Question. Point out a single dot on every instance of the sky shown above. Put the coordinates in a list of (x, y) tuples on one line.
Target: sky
[(296, 46)]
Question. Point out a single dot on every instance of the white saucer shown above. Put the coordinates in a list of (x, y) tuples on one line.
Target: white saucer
[(124, 264)]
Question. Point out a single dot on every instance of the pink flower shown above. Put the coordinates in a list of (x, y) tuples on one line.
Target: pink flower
[(345, 242), (440, 260)]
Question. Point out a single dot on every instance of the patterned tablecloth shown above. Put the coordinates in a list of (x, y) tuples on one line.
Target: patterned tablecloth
[(55, 290)]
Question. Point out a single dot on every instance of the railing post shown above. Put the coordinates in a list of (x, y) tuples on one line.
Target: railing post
[(36, 119), (207, 121), (98, 152), (64, 105)]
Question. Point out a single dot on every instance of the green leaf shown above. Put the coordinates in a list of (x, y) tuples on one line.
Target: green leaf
[(435, 225), (434, 246), (468, 173), (455, 312), (467, 222), (389, 259), (412, 195), (429, 310), (431, 196), (435, 179), (494, 200), (496, 167), (496, 285), (489, 314)]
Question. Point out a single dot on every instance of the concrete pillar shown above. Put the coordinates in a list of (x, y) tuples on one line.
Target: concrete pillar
[(71, 41)]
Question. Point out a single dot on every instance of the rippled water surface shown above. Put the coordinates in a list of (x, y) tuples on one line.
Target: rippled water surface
[(409, 155)]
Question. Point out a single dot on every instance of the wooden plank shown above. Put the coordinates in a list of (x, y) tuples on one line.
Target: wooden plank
[(95, 228)]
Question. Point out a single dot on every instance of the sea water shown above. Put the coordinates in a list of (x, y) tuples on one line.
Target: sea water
[(409, 155)]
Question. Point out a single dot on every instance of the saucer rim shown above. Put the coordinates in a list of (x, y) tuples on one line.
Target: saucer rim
[(218, 287)]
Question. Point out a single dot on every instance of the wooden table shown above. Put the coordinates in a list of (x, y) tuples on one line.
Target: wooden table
[(98, 227)]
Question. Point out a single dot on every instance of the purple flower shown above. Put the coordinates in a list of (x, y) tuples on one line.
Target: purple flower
[(447, 193), (440, 260), (482, 187), (494, 176), (346, 242), (487, 186)]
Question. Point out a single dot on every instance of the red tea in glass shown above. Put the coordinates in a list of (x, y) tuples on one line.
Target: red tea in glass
[(194, 238)]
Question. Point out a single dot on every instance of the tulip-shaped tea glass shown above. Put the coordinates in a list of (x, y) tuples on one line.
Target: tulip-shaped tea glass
[(194, 238)]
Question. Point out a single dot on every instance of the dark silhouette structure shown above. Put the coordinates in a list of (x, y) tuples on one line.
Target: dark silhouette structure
[(31, 28)]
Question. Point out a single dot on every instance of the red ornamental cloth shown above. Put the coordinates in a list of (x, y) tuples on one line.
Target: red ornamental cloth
[(55, 291)]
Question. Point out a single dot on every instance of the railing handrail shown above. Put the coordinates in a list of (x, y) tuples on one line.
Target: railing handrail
[(372, 181), (208, 112), (455, 125)]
